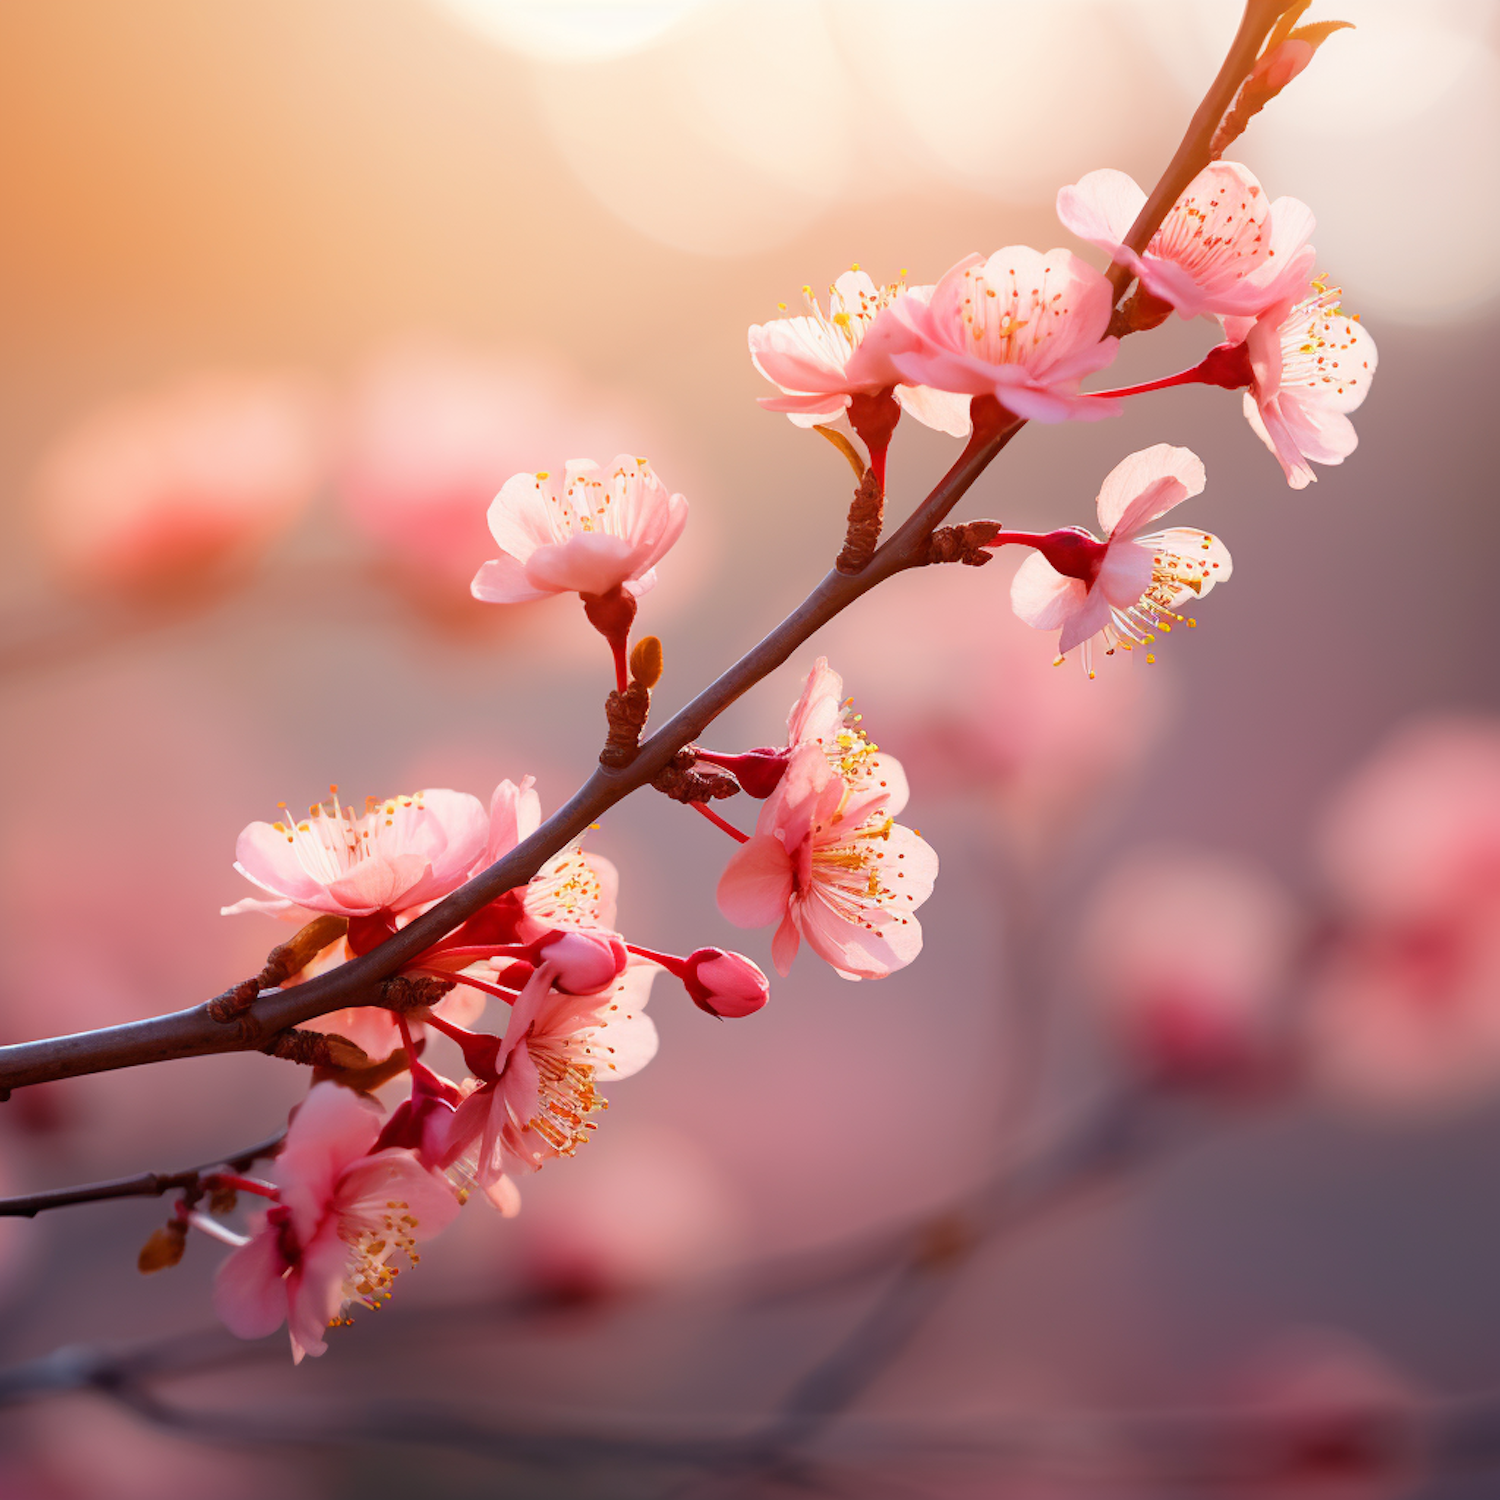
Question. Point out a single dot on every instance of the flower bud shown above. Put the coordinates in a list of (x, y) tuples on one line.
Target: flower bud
[(585, 961), (163, 1249), (724, 984)]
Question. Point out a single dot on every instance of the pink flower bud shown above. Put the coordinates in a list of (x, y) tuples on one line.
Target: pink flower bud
[(585, 961), (1280, 65), (724, 984)]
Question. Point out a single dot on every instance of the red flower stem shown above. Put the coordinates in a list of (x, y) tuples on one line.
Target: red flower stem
[(619, 644), (496, 990), (719, 822), (420, 1072), (242, 1184), (1194, 376), (454, 1033), (669, 961)]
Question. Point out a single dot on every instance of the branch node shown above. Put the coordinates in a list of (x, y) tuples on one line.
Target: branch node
[(964, 543), (409, 992), (234, 1002), (315, 1049), (626, 713), (866, 517), (684, 780)]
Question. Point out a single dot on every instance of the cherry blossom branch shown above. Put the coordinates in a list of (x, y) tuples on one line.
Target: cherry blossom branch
[(143, 1185), (194, 1032)]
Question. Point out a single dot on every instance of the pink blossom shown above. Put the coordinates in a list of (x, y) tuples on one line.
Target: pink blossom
[(1309, 366), (1322, 1416), (585, 531), (1022, 327), (1404, 1012), (173, 489), (404, 851), (1222, 250), (340, 1215), (823, 362), (982, 717), (1189, 954), (1130, 585), (828, 862), (537, 1093)]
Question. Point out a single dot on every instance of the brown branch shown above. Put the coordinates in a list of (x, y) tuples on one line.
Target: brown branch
[(193, 1032), (145, 1185), (1195, 152)]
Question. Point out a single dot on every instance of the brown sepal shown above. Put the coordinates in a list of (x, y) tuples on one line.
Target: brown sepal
[(163, 1249)]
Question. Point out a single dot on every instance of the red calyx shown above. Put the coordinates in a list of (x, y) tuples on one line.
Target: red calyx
[(369, 932), (758, 772), (1226, 365)]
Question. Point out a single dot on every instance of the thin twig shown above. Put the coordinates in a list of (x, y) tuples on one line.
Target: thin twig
[(143, 1185)]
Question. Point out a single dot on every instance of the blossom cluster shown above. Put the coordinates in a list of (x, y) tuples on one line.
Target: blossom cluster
[(992, 343)]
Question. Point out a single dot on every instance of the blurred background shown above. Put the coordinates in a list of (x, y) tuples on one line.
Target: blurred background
[(289, 289)]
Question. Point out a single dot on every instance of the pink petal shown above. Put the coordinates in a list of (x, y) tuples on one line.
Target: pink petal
[(1088, 621), (1147, 485), (515, 814), (588, 562), (367, 1190), (757, 884), (1125, 574), (332, 1127), (1100, 208), (1043, 597), (315, 1292), (856, 951), (250, 1295), (522, 515), (269, 859), (503, 581), (943, 411), (784, 945)]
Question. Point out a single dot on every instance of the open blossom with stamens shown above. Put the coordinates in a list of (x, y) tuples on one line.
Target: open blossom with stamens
[(339, 1216), (586, 531), (540, 1086), (1022, 327), (402, 852), (828, 862), (825, 362), (1222, 250), (1125, 588), (1310, 366), (821, 716)]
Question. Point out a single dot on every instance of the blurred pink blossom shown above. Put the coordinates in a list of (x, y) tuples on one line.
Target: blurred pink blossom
[(1022, 327), (1188, 954), (176, 489), (828, 862), (340, 1214), (645, 1209), (1310, 365), (1328, 1419), (1221, 250), (1405, 1010), (431, 435), (1126, 588)]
